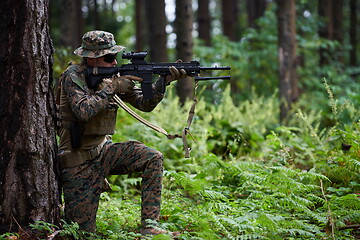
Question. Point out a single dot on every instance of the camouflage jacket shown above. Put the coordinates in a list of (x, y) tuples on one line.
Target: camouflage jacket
[(86, 104)]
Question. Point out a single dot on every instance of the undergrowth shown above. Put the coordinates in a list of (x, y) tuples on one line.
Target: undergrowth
[(248, 177)]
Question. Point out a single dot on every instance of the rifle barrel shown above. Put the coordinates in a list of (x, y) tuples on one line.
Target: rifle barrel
[(212, 78), (215, 68)]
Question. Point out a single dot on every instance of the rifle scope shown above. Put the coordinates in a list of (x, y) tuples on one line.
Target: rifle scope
[(134, 55)]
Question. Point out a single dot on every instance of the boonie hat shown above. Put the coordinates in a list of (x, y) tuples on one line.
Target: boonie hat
[(96, 44)]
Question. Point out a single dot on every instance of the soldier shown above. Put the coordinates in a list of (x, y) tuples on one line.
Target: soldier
[(86, 121)]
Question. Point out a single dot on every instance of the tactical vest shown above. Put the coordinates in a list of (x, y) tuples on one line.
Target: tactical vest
[(91, 133), (102, 123)]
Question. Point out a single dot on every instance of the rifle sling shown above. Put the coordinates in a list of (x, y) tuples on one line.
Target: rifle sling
[(160, 129)]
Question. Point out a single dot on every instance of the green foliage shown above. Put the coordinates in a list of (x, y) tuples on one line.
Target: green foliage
[(255, 70), (62, 58), (252, 60), (44, 229), (72, 230), (118, 216), (43, 226), (9, 235), (248, 177)]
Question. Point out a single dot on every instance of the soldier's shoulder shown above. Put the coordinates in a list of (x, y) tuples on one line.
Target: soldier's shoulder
[(74, 69), (75, 73)]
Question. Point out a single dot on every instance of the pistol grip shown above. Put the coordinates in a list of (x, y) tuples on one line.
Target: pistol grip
[(146, 86)]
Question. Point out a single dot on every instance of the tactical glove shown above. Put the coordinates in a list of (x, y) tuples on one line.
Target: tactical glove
[(118, 84), (107, 86), (176, 74), (124, 84)]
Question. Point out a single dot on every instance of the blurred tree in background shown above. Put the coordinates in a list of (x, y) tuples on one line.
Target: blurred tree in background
[(241, 34)]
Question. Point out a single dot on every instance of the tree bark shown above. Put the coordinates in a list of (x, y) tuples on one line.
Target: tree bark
[(139, 19), (204, 22), (71, 23), (156, 20), (230, 16), (184, 46), (29, 188), (337, 15), (95, 17), (289, 92), (325, 29), (255, 9), (353, 32)]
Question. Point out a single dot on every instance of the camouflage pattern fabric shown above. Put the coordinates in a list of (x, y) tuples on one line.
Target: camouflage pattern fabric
[(97, 44), (83, 104), (82, 184), (86, 104)]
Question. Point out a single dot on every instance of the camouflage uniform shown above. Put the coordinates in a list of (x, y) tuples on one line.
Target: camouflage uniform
[(83, 181)]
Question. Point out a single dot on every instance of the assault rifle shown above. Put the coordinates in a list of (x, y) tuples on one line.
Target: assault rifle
[(140, 68)]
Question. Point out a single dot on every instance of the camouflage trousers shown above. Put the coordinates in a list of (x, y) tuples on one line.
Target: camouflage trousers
[(83, 184)]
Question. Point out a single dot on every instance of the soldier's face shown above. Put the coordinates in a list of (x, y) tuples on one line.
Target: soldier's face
[(99, 62)]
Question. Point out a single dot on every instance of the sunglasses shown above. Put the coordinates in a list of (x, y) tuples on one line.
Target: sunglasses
[(109, 58)]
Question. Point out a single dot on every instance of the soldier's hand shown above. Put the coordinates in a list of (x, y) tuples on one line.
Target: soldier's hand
[(107, 86), (124, 84), (176, 74)]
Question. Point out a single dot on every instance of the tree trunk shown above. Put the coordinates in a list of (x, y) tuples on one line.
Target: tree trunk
[(230, 16), (139, 19), (113, 6), (95, 17), (256, 9), (204, 22), (184, 45), (156, 20), (71, 23), (337, 15), (28, 168), (289, 92), (325, 29), (353, 32)]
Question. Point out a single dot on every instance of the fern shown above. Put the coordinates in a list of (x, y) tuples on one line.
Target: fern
[(132, 181), (351, 217), (353, 165), (316, 200), (289, 232), (350, 201), (313, 130), (250, 180), (213, 195), (250, 237), (237, 224)]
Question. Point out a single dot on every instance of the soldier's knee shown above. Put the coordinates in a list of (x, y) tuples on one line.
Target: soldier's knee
[(159, 155), (156, 160)]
